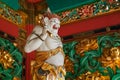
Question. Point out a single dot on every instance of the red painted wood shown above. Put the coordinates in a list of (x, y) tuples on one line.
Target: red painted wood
[(29, 56), (34, 1), (90, 24), (8, 27), (71, 28)]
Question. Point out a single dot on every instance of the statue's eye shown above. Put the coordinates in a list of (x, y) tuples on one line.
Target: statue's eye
[(53, 21)]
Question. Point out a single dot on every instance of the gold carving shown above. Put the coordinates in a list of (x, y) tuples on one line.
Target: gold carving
[(16, 78), (111, 57), (68, 65), (39, 20), (6, 59), (93, 76), (85, 45)]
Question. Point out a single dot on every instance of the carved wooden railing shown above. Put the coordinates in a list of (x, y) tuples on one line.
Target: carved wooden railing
[(16, 17), (90, 10)]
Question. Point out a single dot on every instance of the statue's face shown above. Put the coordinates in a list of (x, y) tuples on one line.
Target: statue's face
[(55, 23), (52, 24)]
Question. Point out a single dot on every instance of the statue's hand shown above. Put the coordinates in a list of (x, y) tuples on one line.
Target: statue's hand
[(44, 33), (45, 29)]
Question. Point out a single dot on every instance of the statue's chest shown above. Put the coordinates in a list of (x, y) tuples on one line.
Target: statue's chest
[(53, 42)]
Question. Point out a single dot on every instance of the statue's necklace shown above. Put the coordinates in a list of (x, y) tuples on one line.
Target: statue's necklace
[(55, 37)]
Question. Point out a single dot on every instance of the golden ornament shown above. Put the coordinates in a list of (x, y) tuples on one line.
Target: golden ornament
[(6, 59)]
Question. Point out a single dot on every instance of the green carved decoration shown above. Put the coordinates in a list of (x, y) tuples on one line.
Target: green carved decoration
[(11, 15), (10, 61), (88, 10), (89, 61), (62, 5)]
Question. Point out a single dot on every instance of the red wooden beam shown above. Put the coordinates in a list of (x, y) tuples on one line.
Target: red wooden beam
[(34, 1), (71, 28), (90, 24), (8, 27)]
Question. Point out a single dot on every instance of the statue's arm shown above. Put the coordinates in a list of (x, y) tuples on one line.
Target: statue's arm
[(35, 40)]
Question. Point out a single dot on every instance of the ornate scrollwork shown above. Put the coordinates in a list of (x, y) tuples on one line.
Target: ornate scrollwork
[(92, 76), (16, 17), (86, 45), (102, 59), (10, 61), (6, 59), (100, 7)]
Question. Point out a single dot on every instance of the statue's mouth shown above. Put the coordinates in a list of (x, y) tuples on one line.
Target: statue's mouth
[(55, 27)]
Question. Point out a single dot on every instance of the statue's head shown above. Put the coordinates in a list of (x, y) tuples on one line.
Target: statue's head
[(52, 21)]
